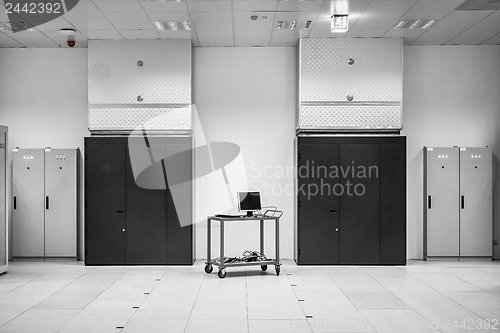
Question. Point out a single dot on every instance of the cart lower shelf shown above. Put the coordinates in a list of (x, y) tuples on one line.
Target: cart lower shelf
[(222, 267)]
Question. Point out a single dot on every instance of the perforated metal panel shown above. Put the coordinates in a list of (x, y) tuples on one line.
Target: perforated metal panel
[(350, 117), (350, 83), (139, 84), (101, 119), (163, 78)]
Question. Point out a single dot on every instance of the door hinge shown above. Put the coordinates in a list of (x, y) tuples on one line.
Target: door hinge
[(85, 156), (495, 242), (299, 203), (299, 252), (85, 252), (85, 204), (299, 156)]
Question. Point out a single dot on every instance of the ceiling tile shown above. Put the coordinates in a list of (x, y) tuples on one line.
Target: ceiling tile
[(254, 5), (166, 6), (179, 34), (469, 14), (226, 33), (133, 17), (209, 5), (446, 5), (495, 40), (84, 17), (371, 32), (302, 6), (435, 14), (357, 6), (296, 16), (101, 34), (119, 6), (104, 25), (212, 25), (361, 24), (139, 34), (133, 25), (211, 16), (438, 31), (489, 22), (56, 35), (56, 24), (384, 5), (260, 24), (383, 15), (84, 7), (177, 16), (252, 34)]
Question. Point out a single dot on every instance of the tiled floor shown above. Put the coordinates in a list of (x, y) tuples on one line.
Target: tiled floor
[(420, 297)]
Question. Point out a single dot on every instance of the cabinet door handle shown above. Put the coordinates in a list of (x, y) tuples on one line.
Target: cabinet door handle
[(333, 211), (429, 202), (119, 211), (15, 202), (463, 202), (47, 202)]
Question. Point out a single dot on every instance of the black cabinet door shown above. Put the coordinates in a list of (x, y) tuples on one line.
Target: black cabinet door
[(178, 169), (146, 214), (105, 212), (360, 204), (318, 212), (393, 204)]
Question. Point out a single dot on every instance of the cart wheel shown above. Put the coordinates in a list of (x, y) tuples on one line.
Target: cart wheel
[(222, 273), (277, 270), (263, 267), (209, 268)]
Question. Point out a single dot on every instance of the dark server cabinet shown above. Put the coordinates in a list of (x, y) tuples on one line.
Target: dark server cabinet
[(351, 206), (126, 223)]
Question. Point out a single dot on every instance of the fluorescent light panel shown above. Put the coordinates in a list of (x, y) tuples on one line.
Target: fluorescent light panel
[(415, 24), (173, 25), (294, 24)]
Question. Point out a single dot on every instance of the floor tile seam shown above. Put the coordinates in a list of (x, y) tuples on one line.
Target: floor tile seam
[(194, 303), (371, 325), (297, 298)]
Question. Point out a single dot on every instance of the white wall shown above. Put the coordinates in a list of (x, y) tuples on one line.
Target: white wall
[(451, 97), (247, 96), (43, 98)]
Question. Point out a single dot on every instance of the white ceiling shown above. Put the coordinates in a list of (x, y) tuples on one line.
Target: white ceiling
[(228, 23)]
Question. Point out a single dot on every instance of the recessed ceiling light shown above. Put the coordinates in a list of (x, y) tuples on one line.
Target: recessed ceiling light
[(293, 24), (415, 24), (16, 26), (172, 25)]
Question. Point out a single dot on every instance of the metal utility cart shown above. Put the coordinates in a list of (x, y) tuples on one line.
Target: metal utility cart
[(220, 263)]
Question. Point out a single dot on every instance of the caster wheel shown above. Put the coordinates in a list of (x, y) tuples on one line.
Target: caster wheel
[(277, 270), (209, 268), (222, 273), (263, 267)]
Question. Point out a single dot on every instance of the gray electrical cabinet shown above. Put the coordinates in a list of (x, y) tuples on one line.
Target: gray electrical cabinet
[(45, 190), (457, 202), (3, 199)]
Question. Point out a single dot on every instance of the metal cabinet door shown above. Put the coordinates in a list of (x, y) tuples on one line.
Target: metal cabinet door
[(60, 202), (3, 193), (441, 202), (105, 202), (360, 204), (476, 202), (318, 205), (146, 213), (28, 203), (179, 172)]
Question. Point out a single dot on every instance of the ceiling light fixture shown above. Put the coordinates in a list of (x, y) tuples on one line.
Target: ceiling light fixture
[(173, 25), (293, 25), (279, 25), (415, 24), (307, 24), (340, 23), (67, 32)]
